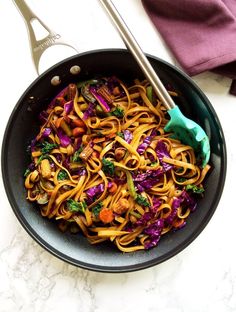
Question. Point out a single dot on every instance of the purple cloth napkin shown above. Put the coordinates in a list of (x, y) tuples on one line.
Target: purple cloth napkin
[(200, 33)]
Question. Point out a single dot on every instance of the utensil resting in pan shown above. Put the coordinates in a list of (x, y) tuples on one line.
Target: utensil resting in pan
[(185, 129)]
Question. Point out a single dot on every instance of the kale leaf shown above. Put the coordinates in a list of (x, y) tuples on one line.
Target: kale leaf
[(118, 112), (75, 206), (142, 201), (108, 167), (96, 209)]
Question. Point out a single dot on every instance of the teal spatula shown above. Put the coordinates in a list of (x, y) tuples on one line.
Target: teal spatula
[(184, 129)]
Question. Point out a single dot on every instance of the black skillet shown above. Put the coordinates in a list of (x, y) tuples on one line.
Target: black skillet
[(23, 125)]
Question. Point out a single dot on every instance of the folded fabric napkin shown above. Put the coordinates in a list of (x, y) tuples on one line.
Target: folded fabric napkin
[(200, 33)]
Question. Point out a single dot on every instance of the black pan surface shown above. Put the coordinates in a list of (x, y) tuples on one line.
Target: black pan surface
[(23, 125)]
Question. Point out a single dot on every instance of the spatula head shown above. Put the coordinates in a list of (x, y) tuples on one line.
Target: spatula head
[(190, 133)]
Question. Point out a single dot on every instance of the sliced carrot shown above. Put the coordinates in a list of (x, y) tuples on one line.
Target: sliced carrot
[(58, 122), (78, 123), (78, 131), (106, 215), (113, 188)]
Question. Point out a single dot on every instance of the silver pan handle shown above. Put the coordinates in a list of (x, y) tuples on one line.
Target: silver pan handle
[(38, 47)]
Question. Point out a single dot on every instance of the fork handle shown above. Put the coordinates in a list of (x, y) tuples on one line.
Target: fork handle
[(138, 54)]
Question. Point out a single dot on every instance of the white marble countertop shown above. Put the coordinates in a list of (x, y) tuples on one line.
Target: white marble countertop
[(202, 278)]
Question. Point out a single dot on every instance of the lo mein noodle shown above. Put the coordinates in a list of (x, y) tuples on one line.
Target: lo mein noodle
[(102, 164)]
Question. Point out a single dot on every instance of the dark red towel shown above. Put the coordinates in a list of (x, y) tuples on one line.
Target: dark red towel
[(200, 33)]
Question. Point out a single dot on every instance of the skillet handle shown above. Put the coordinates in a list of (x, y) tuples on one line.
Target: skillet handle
[(38, 47)]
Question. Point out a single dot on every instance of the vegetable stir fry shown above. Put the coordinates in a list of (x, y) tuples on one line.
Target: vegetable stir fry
[(102, 165)]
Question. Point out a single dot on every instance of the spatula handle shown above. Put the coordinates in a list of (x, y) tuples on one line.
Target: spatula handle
[(138, 54)]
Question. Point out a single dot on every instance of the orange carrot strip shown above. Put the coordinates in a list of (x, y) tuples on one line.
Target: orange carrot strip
[(106, 215)]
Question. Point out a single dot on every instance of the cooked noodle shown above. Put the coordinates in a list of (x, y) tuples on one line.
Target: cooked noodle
[(103, 165)]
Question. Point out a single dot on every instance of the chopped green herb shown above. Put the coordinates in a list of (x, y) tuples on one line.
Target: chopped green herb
[(194, 189), (121, 135), (108, 167), (142, 201), (27, 172), (44, 156), (96, 209), (153, 164), (76, 157), (47, 147), (118, 112), (62, 175), (75, 206)]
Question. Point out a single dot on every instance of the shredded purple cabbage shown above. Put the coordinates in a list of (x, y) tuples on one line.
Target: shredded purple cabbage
[(79, 171), (143, 146), (183, 200), (68, 107), (154, 231), (188, 200), (119, 180), (145, 218), (145, 185), (89, 112), (95, 190), (58, 157), (140, 188), (151, 157), (46, 132), (64, 139), (66, 163), (128, 136), (156, 204), (175, 205), (148, 179), (153, 133), (161, 151), (149, 215), (140, 176), (101, 100), (109, 185), (33, 145)]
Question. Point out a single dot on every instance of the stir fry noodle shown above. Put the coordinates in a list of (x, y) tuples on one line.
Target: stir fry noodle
[(102, 165)]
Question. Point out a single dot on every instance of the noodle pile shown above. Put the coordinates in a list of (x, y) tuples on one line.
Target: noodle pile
[(103, 165)]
